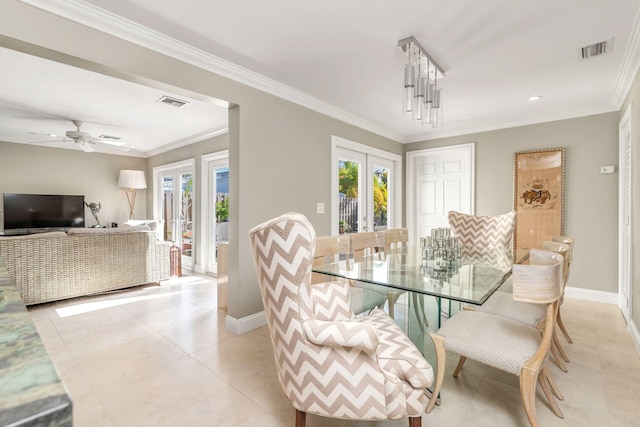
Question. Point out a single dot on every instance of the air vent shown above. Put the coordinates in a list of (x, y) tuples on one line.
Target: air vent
[(172, 102), (596, 49), (109, 137)]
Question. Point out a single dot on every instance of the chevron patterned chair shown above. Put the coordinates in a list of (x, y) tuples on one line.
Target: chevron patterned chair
[(472, 230), (507, 344), (330, 363)]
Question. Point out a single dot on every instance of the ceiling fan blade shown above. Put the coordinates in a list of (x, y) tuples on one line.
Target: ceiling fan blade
[(51, 135), (110, 142), (86, 147), (48, 141)]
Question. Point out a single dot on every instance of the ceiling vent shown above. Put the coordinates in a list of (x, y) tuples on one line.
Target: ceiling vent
[(596, 49), (172, 102)]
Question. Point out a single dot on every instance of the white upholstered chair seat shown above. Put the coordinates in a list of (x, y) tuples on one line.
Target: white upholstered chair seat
[(502, 304), (495, 341), (507, 344)]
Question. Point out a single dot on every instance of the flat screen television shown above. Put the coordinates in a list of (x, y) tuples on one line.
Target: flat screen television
[(31, 211)]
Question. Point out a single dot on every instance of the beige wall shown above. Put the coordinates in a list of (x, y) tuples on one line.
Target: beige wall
[(43, 170), (279, 151), (633, 97), (591, 199)]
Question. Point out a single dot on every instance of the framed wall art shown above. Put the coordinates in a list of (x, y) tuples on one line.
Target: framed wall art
[(538, 196)]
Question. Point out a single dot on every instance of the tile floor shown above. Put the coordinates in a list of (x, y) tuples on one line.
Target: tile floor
[(160, 356)]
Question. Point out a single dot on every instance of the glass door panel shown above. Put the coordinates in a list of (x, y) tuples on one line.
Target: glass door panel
[(351, 187), (380, 200), (167, 207), (186, 217)]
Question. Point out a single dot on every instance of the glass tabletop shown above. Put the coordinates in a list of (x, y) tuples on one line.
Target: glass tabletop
[(480, 271)]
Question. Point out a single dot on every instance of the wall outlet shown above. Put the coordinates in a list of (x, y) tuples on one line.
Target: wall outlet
[(320, 208)]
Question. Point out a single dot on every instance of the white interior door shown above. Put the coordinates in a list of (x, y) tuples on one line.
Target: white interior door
[(438, 180), (625, 252)]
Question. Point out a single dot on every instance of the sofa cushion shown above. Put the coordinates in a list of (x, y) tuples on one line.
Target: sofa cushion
[(84, 231), (47, 235)]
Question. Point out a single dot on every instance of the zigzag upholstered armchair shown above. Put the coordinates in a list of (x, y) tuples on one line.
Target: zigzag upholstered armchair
[(329, 362)]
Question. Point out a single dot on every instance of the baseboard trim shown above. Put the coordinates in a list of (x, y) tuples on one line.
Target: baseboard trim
[(635, 335), (246, 324), (198, 268), (591, 295)]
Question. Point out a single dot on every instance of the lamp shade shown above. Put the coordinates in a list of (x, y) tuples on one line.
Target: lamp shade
[(132, 179)]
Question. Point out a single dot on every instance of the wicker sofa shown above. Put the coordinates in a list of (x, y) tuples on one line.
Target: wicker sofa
[(58, 265)]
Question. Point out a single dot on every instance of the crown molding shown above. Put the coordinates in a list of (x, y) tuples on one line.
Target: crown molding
[(91, 16), (107, 22), (210, 133), (445, 133), (630, 65)]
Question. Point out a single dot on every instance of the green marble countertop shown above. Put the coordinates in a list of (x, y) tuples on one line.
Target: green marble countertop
[(31, 391)]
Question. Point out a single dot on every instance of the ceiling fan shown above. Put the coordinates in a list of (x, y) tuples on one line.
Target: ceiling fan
[(85, 140)]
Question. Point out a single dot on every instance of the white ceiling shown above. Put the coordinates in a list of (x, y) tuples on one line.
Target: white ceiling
[(342, 59)]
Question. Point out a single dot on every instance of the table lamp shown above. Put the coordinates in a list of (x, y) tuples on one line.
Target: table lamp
[(131, 180)]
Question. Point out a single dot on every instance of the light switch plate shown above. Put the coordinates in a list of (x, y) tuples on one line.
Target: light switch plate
[(320, 208), (607, 169)]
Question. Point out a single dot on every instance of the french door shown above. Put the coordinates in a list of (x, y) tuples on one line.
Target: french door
[(174, 203), (365, 189), (216, 228)]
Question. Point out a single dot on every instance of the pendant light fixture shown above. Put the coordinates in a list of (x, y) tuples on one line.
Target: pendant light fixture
[(422, 96)]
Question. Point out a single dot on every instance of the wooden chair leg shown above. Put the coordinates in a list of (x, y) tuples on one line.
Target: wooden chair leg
[(441, 359), (301, 418), (415, 421), (459, 367), (556, 342), (544, 384), (557, 359), (546, 373), (563, 329), (528, 395)]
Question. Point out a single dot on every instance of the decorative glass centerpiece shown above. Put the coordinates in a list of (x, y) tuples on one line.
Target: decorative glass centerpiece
[(441, 254)]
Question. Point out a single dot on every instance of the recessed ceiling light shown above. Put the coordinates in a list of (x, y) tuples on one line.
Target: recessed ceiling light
[(535, 97)]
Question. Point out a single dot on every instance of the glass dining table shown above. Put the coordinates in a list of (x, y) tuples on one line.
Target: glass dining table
[(427, 294)]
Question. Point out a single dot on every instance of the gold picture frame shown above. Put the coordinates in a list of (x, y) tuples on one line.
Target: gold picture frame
[(538, 196)]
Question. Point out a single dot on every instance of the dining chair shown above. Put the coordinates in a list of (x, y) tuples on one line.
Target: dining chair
[(503, 304), (507, 344), (336, 248), (395, 238), (329, 362), (567, 241), (367, 244)]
